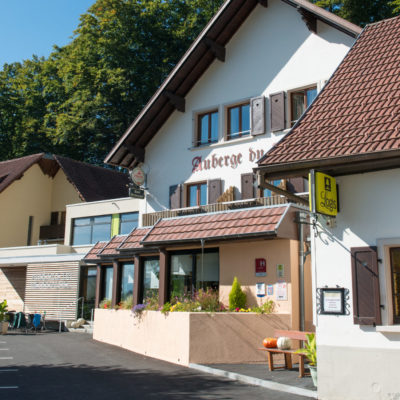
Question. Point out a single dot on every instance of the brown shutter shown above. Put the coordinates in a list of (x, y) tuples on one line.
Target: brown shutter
[(247, 186), (214, 190), (175, 196), (277, 104), (365, 275), (54, 218), (257, 115)]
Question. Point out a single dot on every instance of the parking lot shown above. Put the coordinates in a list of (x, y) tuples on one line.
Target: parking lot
[(73, 366)]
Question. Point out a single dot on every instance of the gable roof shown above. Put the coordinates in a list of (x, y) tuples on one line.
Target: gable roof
[(354, 123), (210, 44), (83, 176)]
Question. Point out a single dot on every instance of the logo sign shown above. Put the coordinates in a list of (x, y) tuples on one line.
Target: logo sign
[(136, 192), (261, 267), (323, 194), (138, 176)]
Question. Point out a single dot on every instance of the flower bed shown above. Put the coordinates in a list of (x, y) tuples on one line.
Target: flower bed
[(189, 337)]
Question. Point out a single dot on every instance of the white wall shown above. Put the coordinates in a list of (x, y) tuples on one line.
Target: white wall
[(272, 51), (368, 216)]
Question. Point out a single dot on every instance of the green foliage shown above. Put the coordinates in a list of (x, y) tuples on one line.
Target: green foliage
[(361, 12), (127, 304), (237, 298), (310, 349), (80, 100), (266, 308), (166, 308), (3, 310), (151, 300), (105, 303)]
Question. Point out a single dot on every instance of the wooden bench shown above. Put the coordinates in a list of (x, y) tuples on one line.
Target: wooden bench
[(296, 335)]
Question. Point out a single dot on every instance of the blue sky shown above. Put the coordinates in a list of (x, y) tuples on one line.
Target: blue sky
[(30, 27)]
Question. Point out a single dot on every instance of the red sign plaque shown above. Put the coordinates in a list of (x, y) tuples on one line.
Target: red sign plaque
[(261, 267)]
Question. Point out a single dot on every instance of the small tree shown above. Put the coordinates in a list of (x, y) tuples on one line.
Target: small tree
[(237, 298)]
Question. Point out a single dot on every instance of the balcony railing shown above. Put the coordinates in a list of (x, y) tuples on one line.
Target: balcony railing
[(52, 233), (151, 218)]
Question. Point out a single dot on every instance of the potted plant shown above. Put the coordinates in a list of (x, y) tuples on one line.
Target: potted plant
[(3, 322), (310, 351)]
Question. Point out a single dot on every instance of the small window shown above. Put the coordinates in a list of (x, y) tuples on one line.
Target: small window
[(238, 121), (207, 128), (128, 222), (197, 194), (269, 193), (151, 276), (127, 280), (299, 101), (91, 230)]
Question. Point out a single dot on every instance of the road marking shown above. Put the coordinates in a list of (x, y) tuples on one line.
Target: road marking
[(6, 358), (8, 387), (8, 370)]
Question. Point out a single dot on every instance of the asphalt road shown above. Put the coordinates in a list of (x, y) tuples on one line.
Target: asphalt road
[(73, 366)]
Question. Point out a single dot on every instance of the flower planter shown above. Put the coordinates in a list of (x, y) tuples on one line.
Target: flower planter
[(185, 337), (313, 372), (4, 327)]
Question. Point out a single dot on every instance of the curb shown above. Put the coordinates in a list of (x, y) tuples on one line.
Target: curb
[(256, 381)]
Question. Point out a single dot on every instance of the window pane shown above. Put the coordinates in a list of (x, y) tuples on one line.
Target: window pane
[(81, 221), (101, 232), (214, 127), (151, 279), (102, 219), (297, 105), (203, 194), (204, 128), (129, 221), (108, 281), (207, 271), (127, 280), (245, 119), (181, 275), (395, 261), (81, 235), (233, 122), (311, 95), (192, 196)]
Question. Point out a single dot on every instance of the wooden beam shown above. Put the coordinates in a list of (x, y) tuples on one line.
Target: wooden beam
[(138, 280), (163, 278), (177, 101), (265, 185), (137, 151), (99, 280), (309, 18), (218, 50), (263, 3), (116, 286)]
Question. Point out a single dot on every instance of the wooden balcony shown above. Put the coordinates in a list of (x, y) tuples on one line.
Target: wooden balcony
[(52, 233), (151, 218)]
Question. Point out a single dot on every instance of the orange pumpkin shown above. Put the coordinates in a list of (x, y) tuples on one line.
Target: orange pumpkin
[(270, 342)]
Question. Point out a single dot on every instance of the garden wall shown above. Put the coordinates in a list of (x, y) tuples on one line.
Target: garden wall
[(183, 337)]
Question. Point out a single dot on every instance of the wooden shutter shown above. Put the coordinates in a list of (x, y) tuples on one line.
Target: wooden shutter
[(277, 104), (247, 186), (214, 190), (365, 274), (257, 115), (54, 218), (175, 196)]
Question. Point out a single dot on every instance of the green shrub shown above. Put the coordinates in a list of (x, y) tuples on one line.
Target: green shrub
[(266, 308), (127, 304), (105, 303), (237, 298)]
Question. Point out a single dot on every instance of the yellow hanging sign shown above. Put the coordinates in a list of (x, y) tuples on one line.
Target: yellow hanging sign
[(325, 194)]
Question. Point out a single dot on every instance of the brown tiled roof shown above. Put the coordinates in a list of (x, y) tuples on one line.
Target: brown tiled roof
[(92, 182), (215, 226), (12, 170), (132, 241), (94, 251), (358, 111), (110, 249)]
